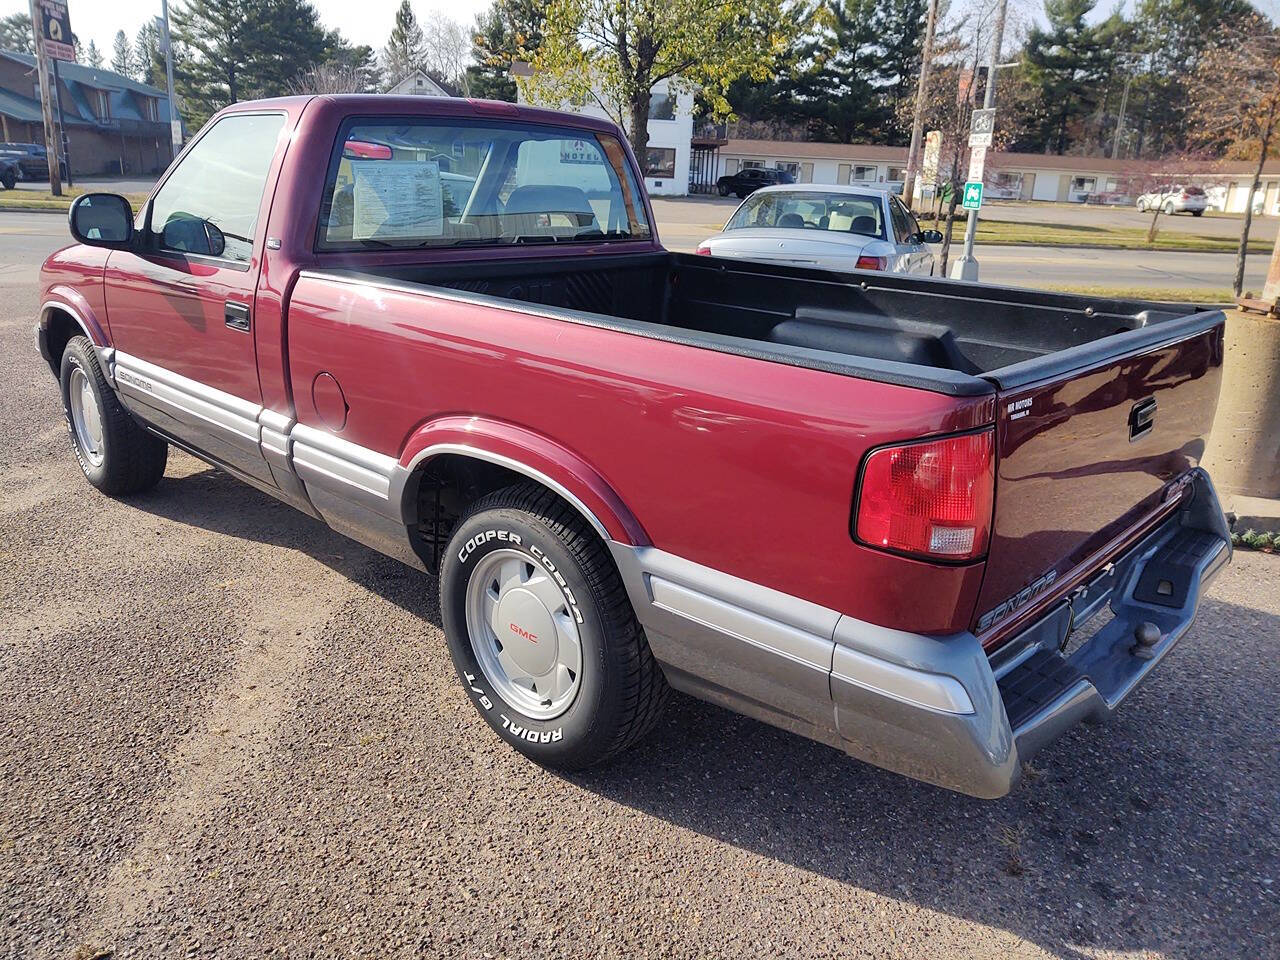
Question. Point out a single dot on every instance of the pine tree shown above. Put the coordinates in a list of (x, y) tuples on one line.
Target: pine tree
[(148, 58), (15, 33), (405, 47), (122, 61), (93, 56), (509, 30)]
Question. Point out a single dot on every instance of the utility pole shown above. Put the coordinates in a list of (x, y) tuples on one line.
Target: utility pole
[(51, 145), (175, 125), (1124, 104), (966, 268), (917, 122)]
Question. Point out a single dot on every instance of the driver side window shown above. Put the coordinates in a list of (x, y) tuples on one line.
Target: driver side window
[(209, 205)]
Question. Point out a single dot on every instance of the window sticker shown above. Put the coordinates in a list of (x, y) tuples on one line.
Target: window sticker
[(395, 198)]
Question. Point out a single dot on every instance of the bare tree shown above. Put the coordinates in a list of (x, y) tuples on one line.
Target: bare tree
[(1235, 100), (446, 49), (329, 78)]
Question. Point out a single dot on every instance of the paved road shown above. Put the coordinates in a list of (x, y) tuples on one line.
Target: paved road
[(107, 184), (226, 730), (683, 223)]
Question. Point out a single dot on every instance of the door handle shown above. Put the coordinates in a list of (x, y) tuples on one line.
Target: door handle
[(236, 316)]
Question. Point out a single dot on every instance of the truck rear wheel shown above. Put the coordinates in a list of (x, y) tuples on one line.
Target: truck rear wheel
[(116, 454), (542, 633)]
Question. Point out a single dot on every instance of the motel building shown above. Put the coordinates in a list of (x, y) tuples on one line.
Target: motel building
[(667, 161), (1009, 176)]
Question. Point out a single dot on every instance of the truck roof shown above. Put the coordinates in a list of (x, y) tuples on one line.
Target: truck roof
[(378, 104)]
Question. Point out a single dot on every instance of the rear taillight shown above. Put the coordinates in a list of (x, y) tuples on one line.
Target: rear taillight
[(931, 499), (872, 263), (704, 250)]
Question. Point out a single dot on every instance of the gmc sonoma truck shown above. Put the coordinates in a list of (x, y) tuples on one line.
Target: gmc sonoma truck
[(933, 524)]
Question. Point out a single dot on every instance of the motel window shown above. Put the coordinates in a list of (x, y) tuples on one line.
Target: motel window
[(863, 173), (897, 174), (791, 167), (660, 162), (662, 106), (752, 164), (1083, 184)]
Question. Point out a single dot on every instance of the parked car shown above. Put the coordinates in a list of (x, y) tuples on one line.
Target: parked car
[(1190, 200), (832, 227), (32, 160), (9, 172), (630, 470), (745, 182)]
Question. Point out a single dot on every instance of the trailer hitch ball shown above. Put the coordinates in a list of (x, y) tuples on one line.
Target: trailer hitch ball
[(1148, 635)]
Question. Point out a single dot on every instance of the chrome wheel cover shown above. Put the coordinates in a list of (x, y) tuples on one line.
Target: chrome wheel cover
[(86, 421), (524, 634)]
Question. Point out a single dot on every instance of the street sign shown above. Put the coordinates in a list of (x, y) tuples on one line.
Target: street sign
[(972, 196), (982, 127), (55, 30), (977, 163)]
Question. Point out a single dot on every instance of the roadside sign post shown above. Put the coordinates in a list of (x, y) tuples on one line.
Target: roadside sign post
[(972, 195), (981, 131), (175, 124), (51, 26)]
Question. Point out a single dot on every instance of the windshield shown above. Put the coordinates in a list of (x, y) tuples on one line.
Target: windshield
[(808, 210), (444, 183)]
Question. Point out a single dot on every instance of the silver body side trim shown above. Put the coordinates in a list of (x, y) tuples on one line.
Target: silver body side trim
[(230, 415), (338, 464), (920, 689)]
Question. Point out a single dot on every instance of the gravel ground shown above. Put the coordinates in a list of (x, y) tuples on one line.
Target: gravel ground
[(226, 731)]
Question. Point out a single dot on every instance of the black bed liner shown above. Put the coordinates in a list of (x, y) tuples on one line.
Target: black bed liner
[(950, 337)]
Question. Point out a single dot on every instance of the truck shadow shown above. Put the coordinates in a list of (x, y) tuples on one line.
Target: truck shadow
[(1154, 832)]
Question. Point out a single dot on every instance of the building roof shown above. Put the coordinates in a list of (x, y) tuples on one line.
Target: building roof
[(90, 76), (125, 97), (853, 152), (439, 83)]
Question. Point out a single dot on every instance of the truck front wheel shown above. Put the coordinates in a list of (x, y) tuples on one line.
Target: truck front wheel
[(116, 454), (542, 633)]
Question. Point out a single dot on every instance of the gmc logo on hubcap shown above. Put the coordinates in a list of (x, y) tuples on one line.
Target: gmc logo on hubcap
[(520, 631)]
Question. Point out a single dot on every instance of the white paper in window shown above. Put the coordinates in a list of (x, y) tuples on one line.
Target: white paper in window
[(396, 199)]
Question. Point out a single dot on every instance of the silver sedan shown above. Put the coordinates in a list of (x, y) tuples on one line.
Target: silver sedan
[(831, 227)]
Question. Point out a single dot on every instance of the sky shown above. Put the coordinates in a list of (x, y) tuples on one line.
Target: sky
[(361, 21)]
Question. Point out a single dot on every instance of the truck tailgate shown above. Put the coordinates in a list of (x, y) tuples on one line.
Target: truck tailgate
[(1088, 441)]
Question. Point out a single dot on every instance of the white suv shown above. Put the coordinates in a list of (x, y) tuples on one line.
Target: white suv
[(1175, 200)]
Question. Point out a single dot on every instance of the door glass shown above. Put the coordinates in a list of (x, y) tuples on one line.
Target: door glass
[(209, 205), (901, 228)]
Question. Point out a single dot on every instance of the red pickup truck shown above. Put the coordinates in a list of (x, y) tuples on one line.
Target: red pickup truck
[(933, 524)]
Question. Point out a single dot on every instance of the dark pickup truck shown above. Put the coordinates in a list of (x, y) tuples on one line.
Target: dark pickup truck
[(930, 523)]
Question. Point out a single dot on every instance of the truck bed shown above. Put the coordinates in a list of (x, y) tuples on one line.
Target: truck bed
[(954, 338), (1067, 375)]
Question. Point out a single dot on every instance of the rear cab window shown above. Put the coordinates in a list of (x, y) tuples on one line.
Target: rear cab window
[(448, 182)]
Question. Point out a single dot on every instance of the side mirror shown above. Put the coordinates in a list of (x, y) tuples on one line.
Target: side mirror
[(102, 220), (930, 236)]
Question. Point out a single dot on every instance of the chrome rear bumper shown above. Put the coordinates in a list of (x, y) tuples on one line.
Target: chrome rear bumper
[(933, 708)]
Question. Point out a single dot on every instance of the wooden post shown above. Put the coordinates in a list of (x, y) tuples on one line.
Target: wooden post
[(4, 123), (1271, 289), (1269, 302), (51, 145)]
